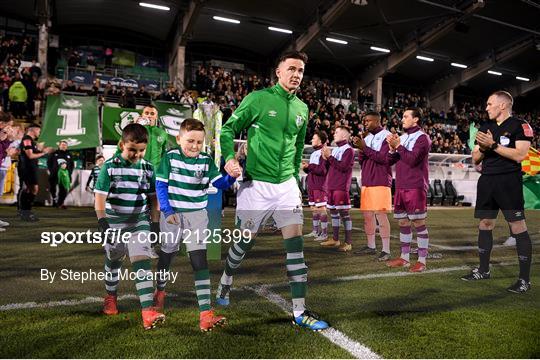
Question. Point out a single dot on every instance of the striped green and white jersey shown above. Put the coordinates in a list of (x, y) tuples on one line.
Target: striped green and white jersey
[(127, 186), (188, 179)]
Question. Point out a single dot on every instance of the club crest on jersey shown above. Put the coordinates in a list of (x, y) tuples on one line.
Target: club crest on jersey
[(249, 224), (299, 120), (199, 173)]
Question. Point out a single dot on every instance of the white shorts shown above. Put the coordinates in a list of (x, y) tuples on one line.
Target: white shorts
[(258, 200), (192, 231), (137, 245)]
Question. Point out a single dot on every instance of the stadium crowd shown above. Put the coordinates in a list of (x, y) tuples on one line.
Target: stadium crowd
[(330, 103)]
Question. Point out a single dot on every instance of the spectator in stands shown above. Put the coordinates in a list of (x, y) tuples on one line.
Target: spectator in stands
[(17, 97), (91, 62), (127, 98), (35, 69), (142, 93), (108, 89), (70, 86), (170, 94), (186, 99), (74, 59), (53, 89)]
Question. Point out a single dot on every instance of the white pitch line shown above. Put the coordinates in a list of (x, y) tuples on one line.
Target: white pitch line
[(335, 336), (87, 300), (406, 273)]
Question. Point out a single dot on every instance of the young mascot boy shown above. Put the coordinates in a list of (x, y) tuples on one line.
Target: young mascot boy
[(124, 191), (338, 184), (316, 176), (182, 182)]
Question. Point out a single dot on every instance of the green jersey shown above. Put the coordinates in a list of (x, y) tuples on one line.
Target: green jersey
[(157, 145), (276, 121), (188, 179), (64, 179), (127, 186)]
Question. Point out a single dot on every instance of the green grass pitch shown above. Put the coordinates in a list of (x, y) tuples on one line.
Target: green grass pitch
[(431, 315)]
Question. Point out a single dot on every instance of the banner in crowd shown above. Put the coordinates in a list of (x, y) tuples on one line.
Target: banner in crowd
[(150, 85), (150, 62), (171, 116), (114, 120), (81, 77), (73, 119)]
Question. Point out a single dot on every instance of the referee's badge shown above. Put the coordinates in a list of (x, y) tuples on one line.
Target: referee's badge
[(504, 141)]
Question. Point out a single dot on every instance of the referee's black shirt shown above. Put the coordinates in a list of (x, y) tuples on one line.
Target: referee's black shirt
[(506, 134), (25, 163)]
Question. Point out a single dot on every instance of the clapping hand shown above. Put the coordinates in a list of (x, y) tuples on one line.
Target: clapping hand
[(484, 140), (393, 141), (326, 152)]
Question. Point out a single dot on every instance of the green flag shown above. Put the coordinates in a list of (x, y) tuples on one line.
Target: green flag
[(472, 135), (114, 120), (531, 191), (73, 119), (171, 116)]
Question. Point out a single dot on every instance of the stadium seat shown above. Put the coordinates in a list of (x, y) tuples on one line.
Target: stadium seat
[(438, 192), (355, 193), (451, 196), (430, 196)]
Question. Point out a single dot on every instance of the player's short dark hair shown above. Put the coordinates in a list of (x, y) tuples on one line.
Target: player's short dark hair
[(373, 113), (322, 135), (504, 94), (191, 124), (416, 113), (33, 126), (99, 157), (344, 127), (135, 133), (292, 55)]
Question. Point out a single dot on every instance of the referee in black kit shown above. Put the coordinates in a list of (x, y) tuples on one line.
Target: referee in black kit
[(501, 146)]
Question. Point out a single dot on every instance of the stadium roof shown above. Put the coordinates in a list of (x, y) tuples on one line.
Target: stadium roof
[(476, 30)]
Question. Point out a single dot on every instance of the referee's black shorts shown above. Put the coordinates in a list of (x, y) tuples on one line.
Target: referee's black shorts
[(29, 176), (500, 192)]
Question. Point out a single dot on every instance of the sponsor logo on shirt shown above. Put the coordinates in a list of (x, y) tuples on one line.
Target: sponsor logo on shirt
[(272, 113)]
